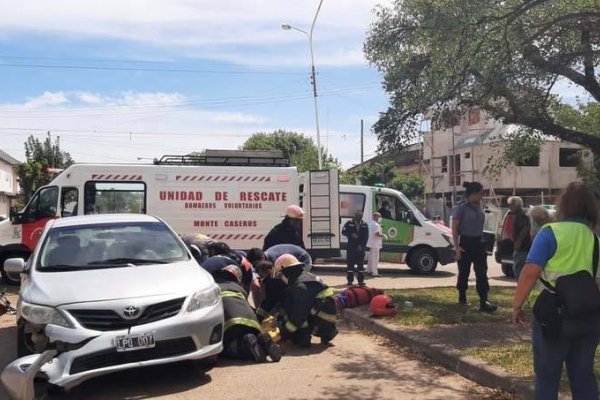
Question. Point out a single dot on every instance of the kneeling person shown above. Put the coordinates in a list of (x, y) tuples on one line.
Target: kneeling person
[(309, 304), (242, 337)]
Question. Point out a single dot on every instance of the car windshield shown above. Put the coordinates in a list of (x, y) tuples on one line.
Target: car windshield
[(110, 246)]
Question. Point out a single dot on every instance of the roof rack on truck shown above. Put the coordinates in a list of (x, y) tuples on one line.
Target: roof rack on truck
[(270, 158)]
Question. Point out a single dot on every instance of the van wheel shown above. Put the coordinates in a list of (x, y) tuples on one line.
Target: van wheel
[(6, 279), (423, 261), (507, 270)]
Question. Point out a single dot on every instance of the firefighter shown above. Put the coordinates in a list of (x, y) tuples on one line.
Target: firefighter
[(272, 291), (242, 337), (357, 232), (309, 304), (221, 256), (289, 231)]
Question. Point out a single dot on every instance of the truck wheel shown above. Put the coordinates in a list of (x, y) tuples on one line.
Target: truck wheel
[(507, 270), (423, 261), (6, 279)]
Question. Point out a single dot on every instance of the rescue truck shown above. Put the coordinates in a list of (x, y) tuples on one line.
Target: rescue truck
[(231, 196)]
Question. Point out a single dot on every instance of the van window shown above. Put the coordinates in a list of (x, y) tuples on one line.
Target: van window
[(392, 208), (69, 202), (115, 198), (43, 205), (350, 203)]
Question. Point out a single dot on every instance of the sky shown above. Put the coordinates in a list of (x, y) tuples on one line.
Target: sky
[(120, 80)]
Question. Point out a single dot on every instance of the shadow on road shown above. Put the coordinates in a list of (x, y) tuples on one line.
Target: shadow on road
[(141, 383)]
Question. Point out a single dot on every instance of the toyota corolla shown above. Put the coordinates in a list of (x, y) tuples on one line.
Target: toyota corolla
[(126, 283)]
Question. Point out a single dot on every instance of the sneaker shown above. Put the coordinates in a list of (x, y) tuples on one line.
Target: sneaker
[(258, 353), (487, 307), (273, 350)]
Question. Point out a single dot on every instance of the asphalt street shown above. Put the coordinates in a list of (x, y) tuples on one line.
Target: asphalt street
[(356, 366)]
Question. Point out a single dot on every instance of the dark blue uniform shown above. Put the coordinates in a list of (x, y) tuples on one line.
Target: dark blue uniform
[(358, 235)]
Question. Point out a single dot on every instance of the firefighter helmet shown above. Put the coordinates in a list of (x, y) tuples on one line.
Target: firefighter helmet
[(284, 261), (295, 212), (234, 271), (382, 305)]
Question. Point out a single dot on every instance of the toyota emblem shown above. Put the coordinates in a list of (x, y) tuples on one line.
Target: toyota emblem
[(131, 312)]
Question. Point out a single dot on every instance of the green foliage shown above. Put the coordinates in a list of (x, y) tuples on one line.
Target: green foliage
[(40, 155), (300, 149), (412, 185), (371, 174), (513, 150), (505, 56)]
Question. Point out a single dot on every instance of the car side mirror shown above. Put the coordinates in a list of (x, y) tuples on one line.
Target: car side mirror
[(14, 266)]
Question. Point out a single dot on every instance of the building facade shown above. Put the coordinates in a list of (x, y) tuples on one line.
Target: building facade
[(9, 186), (462, 153)]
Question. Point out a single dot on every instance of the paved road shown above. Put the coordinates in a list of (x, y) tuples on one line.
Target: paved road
[(398, 276), (357, 366)]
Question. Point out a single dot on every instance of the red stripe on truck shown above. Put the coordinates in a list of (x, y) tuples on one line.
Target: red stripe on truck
[(201, 178), (125, 177)]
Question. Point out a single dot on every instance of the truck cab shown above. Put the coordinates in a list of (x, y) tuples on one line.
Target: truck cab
[(411, 238)]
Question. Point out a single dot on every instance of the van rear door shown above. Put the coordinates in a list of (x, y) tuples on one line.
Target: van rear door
[(321, 226)]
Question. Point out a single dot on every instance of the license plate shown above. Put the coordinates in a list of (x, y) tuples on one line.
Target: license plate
[(134, 342)]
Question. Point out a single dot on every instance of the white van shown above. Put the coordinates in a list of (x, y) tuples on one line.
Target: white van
[(232, 196), (411, 238)]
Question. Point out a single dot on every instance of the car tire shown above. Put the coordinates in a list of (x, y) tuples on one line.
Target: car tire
[(423, 261), (6, 279), (23, 347), (507, 270)]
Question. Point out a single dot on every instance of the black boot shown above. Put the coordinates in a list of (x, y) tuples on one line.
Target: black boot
[(486, 306), (251, 342), (273, 350), (326, 338), (462, 298)]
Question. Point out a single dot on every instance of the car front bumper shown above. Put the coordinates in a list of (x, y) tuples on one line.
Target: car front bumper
[(183, 337)]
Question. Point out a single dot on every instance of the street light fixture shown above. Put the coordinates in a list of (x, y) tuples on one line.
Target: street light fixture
[(288, 27)]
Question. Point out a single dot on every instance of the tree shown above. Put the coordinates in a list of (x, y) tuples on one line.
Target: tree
[(376, 173), (412, 185), (300, 149), (40, 155), (505, 56)]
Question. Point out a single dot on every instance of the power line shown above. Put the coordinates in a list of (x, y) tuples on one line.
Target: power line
[(138, 69)]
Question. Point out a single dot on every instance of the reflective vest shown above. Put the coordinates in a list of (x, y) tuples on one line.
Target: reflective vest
[(574, 253), (236, 308)]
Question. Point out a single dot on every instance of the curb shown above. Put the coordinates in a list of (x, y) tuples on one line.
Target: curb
[(468, 367)]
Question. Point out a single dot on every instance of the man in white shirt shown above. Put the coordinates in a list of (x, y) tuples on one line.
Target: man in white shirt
[(374, 244)]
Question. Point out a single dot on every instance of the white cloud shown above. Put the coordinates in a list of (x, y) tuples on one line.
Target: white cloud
[(47, 99), (201, 28), (89, 98)]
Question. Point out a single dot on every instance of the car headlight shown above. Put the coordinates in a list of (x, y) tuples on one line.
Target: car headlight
[(448, 239), (41, 315), (204, 298)]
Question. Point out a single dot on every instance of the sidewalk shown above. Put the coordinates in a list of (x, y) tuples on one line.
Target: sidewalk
[(447, 345)]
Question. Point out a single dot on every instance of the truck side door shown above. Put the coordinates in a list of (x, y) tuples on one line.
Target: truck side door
[(42, 207)]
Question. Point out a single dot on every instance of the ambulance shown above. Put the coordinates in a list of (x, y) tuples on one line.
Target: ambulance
[(411, 238), (232, 196)]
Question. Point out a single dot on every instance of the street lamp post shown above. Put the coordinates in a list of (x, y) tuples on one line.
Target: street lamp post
[(288, 27)]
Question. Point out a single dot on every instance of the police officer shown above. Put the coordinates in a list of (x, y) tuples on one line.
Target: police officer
[(357, 232), (309, 304), (468, 220), (289, 231), (242, 337)]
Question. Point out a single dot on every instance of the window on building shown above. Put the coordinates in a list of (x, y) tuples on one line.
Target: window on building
[(115, 198), (455, 171), (445, 165), (467, 156), (569, 157), (533, 161)]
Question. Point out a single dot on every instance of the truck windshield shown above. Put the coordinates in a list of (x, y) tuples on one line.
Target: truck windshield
[(109, 245)]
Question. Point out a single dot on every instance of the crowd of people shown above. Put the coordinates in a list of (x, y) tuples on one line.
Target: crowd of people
[(288, 302)]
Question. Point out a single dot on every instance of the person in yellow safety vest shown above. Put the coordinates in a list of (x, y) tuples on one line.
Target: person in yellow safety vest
[(562, 249), (242, 337), (309, 304)]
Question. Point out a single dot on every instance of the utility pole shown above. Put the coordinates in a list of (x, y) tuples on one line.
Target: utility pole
[(453, 180), (362, 141)]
